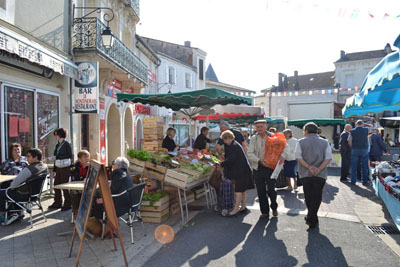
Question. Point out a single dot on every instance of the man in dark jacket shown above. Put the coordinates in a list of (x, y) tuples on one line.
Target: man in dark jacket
[(358, 141), (120, 181), (36, 168), (377, 146), (345, 152)]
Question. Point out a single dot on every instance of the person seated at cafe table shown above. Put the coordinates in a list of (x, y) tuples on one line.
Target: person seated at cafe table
[(120, 181), (78, 173), (14, 164), (36, 168)]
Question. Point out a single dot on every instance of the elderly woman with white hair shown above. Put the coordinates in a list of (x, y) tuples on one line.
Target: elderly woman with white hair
[(120, 181)]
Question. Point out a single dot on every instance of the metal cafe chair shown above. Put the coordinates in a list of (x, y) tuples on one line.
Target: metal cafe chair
[(135, 194), (35, 188)]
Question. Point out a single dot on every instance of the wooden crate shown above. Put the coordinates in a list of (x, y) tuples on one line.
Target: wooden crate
[(159, 203), (177, 178), (155, 217), (136, 165), (174, 208), (190, 197), (149, 173), (198, 193)]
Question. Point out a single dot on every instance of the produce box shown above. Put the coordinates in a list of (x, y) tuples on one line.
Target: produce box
[(137, 165), (149, 173), (155, 217), (174, 208), (198, 193), (172, 191), (181, 177), (159, 203)]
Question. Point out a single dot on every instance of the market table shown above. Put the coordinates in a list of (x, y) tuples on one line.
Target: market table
[(183, 201), (6, 178)]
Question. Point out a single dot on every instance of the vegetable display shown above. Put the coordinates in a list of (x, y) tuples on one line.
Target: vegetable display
[(139, 154), (153, 196), (197, 167)]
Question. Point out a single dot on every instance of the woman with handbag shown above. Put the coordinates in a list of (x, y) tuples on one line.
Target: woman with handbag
[(63, 160)]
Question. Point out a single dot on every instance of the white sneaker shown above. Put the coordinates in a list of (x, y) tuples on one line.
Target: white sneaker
[(11, 219)]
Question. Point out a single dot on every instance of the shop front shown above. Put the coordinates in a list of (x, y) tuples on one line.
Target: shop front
[(34, 98)]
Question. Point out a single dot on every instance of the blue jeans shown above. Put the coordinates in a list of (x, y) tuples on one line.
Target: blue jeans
[(359, 156)]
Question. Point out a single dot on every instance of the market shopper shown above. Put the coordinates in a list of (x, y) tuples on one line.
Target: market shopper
[(120, 181), (78, 173), (36, 168), (224, 126), (202, 139), (358, 141), (289, 168), (313, 154), (62, 163), (168, 141), (237, 168), (262, 174), (14, 164), (377, 146), (345, 153)]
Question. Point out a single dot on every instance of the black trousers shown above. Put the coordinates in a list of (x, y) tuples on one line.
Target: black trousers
[(313, 187), (346, 161), (265, 188)]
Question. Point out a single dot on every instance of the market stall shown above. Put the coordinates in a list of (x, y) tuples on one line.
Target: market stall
[(386, 183), (186, 175)]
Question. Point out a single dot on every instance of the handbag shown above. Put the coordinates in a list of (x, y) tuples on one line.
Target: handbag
[(62, 163), (216, 178)]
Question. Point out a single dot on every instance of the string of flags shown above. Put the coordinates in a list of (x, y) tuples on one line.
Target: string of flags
[(340, 12), (311, 92)]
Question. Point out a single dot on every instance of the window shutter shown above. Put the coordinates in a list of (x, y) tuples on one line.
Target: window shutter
[(191, 81), (166, 74), (175, 76)]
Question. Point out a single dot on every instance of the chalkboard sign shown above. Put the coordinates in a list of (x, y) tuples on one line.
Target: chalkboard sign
[(96, 176), (86, 200)]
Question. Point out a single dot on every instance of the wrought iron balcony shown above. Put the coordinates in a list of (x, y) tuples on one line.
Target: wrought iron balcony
[(86, 36), (135, 6)]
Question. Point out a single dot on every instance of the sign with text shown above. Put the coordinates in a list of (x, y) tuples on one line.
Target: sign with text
[(102, 132), (86, 93)]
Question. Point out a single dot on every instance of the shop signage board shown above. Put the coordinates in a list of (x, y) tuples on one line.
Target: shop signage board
[(86, 90), (102, 132), (96, 176), (114, 87)]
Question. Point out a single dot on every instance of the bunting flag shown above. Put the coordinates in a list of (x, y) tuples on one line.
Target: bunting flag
[(333, 9)]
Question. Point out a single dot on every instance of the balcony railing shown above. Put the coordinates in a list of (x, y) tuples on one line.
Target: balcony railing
[(135, 6), (87, 36)]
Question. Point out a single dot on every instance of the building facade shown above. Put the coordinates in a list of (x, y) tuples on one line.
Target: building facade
[(36, 73)]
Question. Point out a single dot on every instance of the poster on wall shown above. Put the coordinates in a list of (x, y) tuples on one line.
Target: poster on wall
[(102, 132), (86, 90)]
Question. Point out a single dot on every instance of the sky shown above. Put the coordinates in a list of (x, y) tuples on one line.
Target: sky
[(249, 42)]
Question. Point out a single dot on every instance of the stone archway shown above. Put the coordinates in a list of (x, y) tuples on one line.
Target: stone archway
[(113, 134), (139, 134), (128, 126)]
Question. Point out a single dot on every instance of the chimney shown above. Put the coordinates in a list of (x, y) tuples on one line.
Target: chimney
[(280, 81), (296, 74), (342, 54), (388, 48), (187, 44), (296, 80)]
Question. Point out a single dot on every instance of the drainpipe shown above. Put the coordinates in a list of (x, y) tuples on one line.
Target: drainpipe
[(68, 6)]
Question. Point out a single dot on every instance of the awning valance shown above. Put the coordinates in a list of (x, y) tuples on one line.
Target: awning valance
[(23, 47)]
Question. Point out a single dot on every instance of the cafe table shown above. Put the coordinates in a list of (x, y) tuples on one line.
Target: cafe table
[(6, 178)]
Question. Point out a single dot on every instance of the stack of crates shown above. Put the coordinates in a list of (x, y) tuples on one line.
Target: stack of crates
[(153, 133)]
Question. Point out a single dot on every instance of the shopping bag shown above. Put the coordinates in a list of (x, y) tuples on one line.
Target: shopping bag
[(274, 146), (216, 178), (277, 171)]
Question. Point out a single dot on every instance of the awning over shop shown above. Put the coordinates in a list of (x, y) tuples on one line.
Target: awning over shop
[(190, 103), (23, 47), (319, 122), (380, 90), (233, 118)]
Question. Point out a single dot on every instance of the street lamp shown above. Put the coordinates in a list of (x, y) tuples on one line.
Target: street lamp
[(106, 36)]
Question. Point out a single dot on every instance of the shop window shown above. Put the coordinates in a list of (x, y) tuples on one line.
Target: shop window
[(19, 123), (47, 119), (182, 134)]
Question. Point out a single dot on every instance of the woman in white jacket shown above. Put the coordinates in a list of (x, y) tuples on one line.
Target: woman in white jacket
[(289, 168)]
